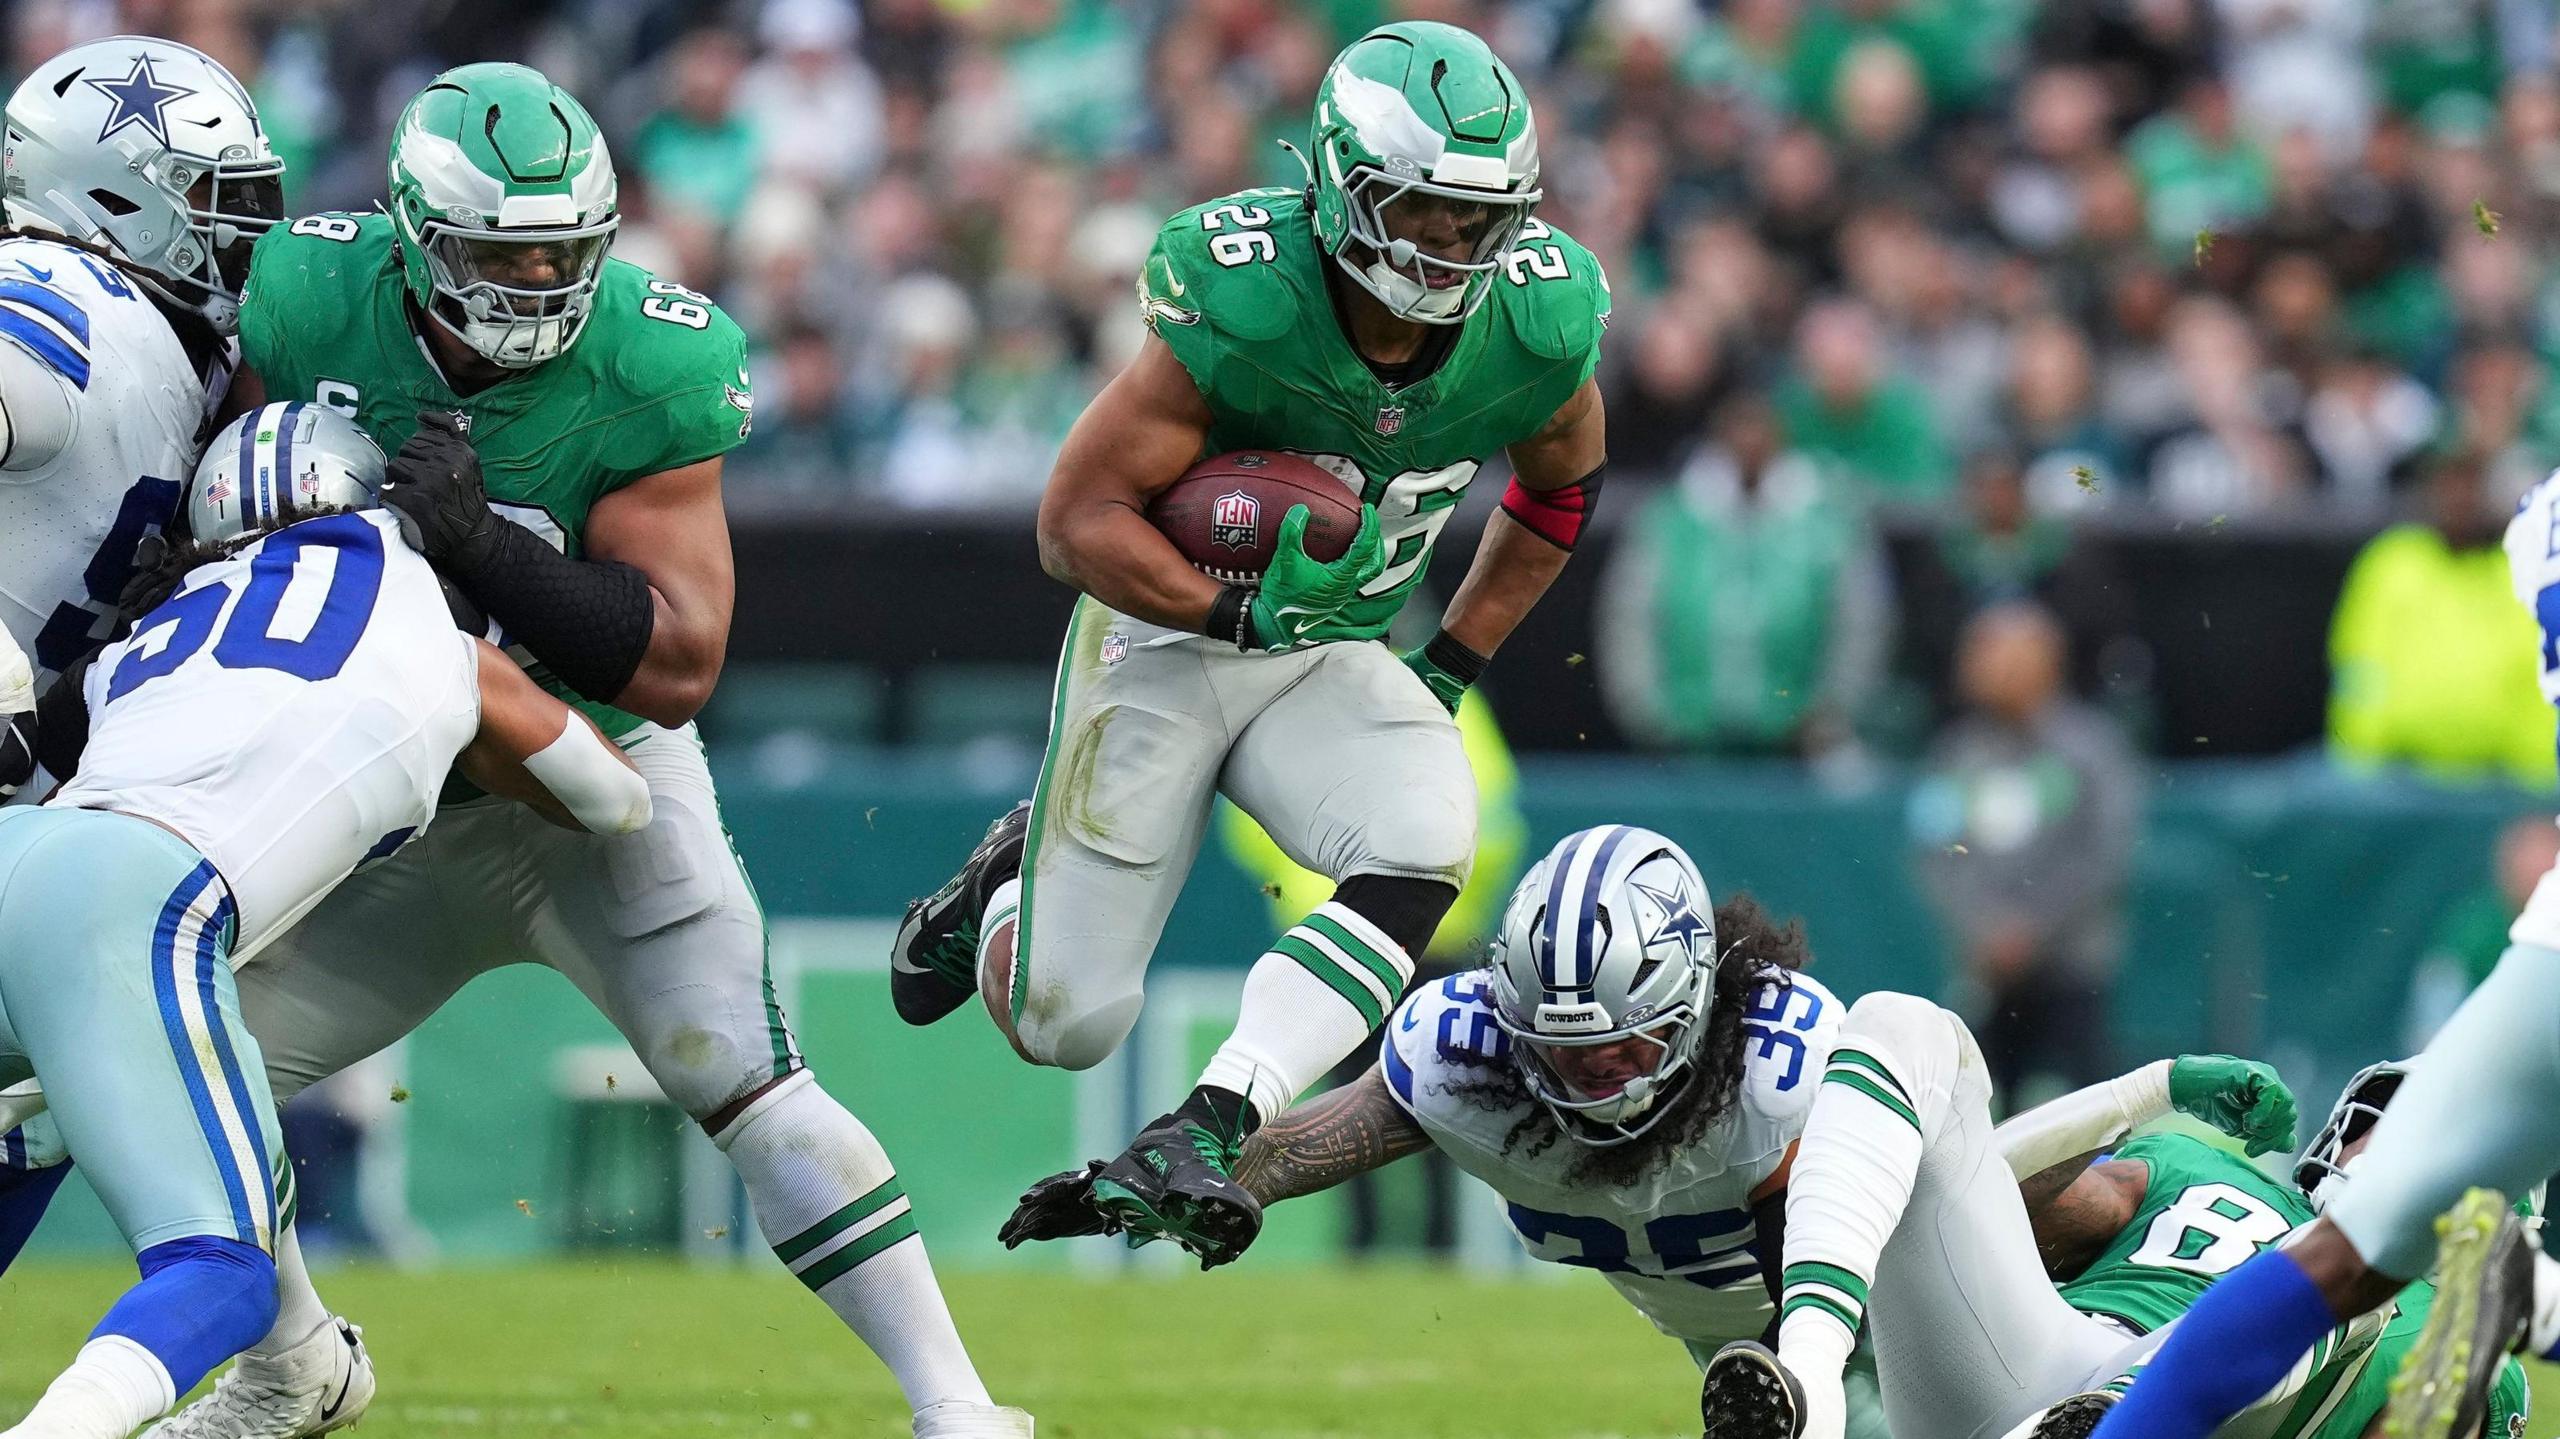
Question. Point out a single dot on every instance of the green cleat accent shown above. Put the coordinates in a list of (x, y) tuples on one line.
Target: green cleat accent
[(1174, 1183), (2484, 1294)]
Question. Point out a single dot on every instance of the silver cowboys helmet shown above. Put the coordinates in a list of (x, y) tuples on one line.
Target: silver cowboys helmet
[(1610, 939), (294, 456), (2320, 1171), (152, 152)]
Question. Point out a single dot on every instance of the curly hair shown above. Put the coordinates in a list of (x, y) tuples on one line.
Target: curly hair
[(162, 564), (1757, 948)]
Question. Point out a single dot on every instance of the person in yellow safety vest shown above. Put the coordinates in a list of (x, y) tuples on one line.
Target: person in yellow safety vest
[(1502, 834)]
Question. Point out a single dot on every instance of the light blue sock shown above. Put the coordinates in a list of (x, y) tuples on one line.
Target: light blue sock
[(2232, 1347), (201, 1300)]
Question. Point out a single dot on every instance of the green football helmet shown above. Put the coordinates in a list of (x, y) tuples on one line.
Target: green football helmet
[(502, 196), (1422, 146)]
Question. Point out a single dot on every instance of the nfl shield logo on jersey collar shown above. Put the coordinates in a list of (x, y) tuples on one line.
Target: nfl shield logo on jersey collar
[(1235, 520), (1390, 419)]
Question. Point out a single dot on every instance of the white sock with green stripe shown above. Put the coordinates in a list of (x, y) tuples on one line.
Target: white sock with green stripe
[(830, 1204), (1851, 1180), (1310, 1000)]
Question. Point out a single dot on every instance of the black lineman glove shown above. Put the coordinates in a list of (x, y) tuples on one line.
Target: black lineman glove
[(434, 486), (1058, 1207)]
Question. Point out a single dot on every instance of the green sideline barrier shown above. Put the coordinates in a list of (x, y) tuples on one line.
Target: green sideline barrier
[(2277, 910)]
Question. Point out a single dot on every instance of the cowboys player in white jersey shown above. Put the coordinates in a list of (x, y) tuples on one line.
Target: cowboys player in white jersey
[(1631, 1073), (288, 714), (137, 179)]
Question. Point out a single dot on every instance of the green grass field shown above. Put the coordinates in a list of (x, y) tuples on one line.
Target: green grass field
[(553, 1352), (562, 1352)]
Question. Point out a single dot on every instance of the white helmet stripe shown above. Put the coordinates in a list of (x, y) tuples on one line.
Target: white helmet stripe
[(1571, 957)]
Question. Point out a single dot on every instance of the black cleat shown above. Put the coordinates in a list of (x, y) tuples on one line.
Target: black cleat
[(1173, 1184), (2484, 1299), (933, 967), (2073, 1418), (1748, 1394), (1058, 1207)]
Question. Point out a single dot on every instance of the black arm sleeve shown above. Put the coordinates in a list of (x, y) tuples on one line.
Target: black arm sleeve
[(62, 720), (589, 620), (1769, 1225)]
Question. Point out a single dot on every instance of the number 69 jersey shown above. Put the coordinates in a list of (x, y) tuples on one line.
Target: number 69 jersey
[(1676, 1243), (291, 712), (69, 527), (657, 381)]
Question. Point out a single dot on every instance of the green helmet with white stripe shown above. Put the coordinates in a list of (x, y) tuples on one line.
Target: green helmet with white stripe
[(502, 195), (1425, 166)]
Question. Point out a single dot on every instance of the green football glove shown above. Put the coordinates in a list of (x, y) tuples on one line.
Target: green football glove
[(1447, 668), (1300, 596), (2240, 1097), (1447, 688)]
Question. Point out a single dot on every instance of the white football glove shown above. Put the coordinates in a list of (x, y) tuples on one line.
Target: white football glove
[(17, 678)]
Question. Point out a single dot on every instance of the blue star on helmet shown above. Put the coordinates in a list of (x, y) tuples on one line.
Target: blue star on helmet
[(1681, 922), (141, 98)]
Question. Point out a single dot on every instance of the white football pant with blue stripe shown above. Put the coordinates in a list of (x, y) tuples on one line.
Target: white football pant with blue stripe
[(116, 992)]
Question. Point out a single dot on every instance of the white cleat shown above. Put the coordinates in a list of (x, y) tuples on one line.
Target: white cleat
[(955, 1420), (320, 1384)]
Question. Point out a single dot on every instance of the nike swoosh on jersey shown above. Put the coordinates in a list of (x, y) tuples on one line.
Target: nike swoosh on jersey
[(44, 275)]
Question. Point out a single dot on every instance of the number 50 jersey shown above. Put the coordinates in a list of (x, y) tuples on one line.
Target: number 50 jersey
[(291, 712), (1677, 1241), (68, 529)]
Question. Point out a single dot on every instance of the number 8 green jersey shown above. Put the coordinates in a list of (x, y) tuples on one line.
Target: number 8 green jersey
[(1236, 289), (656, 381), (2203, 1213)]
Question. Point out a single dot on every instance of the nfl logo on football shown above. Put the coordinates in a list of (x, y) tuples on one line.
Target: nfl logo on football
[(1235, 520)]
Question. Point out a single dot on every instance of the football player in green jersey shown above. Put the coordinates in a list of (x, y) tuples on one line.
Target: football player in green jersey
[(1400, 321), (558, 420)]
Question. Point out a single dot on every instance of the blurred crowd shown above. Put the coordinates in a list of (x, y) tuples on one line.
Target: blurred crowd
[(1997, 273), (2218, 259)]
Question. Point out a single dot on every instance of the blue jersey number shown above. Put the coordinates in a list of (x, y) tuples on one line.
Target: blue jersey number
[(1679, 1244), (1471, 1000), (1768, 1021), (145, 509), (188, 621)]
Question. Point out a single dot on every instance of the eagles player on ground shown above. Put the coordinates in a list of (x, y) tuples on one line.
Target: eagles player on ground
[(137, 178), (1890, 1194), (577, 502), (286, 716), (1631, 1072), (1399, 322), (2477, 1112)]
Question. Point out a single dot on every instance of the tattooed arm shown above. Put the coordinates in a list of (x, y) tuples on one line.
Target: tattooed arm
[(2079, 1214), (1323, 1141)]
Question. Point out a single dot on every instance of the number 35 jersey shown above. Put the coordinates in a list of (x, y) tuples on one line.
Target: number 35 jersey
[(1237, 290), (1677, 1242), (68, 529), (290, 711)]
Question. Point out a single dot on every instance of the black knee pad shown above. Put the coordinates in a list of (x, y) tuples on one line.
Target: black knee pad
[(1408, 910)]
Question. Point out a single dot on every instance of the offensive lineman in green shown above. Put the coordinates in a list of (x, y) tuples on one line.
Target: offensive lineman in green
[(559, 420), (1398, 322)]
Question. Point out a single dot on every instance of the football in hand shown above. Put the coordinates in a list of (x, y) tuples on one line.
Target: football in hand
[(1224, 513)]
